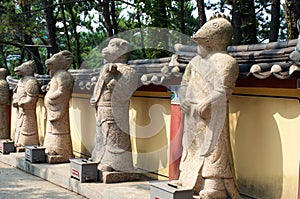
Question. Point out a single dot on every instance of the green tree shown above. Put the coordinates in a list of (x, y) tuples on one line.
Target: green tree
[(292, 14)]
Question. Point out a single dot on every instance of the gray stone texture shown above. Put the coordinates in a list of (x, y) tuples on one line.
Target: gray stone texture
[(116, 83), (58, 141), (25, 98), (206, 85), (4, 99)]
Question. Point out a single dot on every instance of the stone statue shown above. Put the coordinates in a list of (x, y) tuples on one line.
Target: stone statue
[(25, 98), (57, 141), (116, 83), (206, 85), (295, 55), (4, 99)]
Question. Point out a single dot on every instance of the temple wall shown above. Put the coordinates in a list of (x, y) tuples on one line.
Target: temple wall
[(264, 136), (149, 123), (150, 128), (265, 142)]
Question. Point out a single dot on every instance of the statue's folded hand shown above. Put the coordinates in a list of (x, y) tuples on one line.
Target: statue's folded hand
[(185, 106)]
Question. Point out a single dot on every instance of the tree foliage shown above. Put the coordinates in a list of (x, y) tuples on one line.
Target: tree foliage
[(34, 29)]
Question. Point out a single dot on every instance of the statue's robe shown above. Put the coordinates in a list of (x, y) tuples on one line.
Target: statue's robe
[(58, 139), (207, 81), (4, 97), (112, 141), (25, 98)]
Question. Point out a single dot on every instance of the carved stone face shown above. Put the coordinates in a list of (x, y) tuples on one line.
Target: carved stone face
[(215, 32), (26, 69), (61, 60), (117, 50)]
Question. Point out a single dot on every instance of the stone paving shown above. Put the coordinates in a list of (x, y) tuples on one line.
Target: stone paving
[(59, 174), (15, 183), (54, 181)]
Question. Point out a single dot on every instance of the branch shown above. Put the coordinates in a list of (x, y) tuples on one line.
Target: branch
[(12, 44), (128, 3)]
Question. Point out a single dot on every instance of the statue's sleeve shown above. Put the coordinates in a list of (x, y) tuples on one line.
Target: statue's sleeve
[(59, 99), (64, 83), (184, 82), (217, 101), (4, 93), (32, 90), (98, 88)]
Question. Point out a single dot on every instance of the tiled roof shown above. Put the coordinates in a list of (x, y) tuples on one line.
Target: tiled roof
[(260, 61)]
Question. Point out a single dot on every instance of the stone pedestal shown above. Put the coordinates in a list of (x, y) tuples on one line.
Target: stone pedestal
[(114, 177), (52, 159)]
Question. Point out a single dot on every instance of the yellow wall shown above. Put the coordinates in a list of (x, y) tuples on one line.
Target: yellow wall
[(149, 125), (150, 128), (265, 142), (264, 136), (83, 124)]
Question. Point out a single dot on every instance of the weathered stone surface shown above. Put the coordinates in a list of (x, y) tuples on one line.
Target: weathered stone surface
[(207, 84), (295, 55), (58, 139), (4, 99), (116, 83), (114, 177), (25, 98)]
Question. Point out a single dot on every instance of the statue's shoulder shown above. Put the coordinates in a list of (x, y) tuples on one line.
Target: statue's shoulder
[(126, 70), (63, 74), (32, 86)]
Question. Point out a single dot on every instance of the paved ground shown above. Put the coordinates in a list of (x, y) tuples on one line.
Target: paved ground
[(16, 184)]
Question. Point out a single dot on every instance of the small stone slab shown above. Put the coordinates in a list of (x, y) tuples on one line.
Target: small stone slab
[(20, 149), (114, 177), (52, 159)]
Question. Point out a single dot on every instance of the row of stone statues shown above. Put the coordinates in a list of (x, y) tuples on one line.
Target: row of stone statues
[(25, 96), (207, 84)]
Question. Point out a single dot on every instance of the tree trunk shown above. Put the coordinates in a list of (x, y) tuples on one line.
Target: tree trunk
[(65, 27), (106, 15), (201, 12), (182, 22), (244, 22), (3, 57), (292, 14), (50, 23), (275, 20), (236, 24), (114, 17), (76, 35), (33, 51), (142, 36)]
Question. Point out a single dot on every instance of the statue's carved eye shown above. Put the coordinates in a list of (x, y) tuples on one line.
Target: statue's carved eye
[(215, 25), (112, 44)]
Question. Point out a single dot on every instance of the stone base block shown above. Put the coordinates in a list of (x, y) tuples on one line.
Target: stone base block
[(53, 159), (114, 177), (20, 149)]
